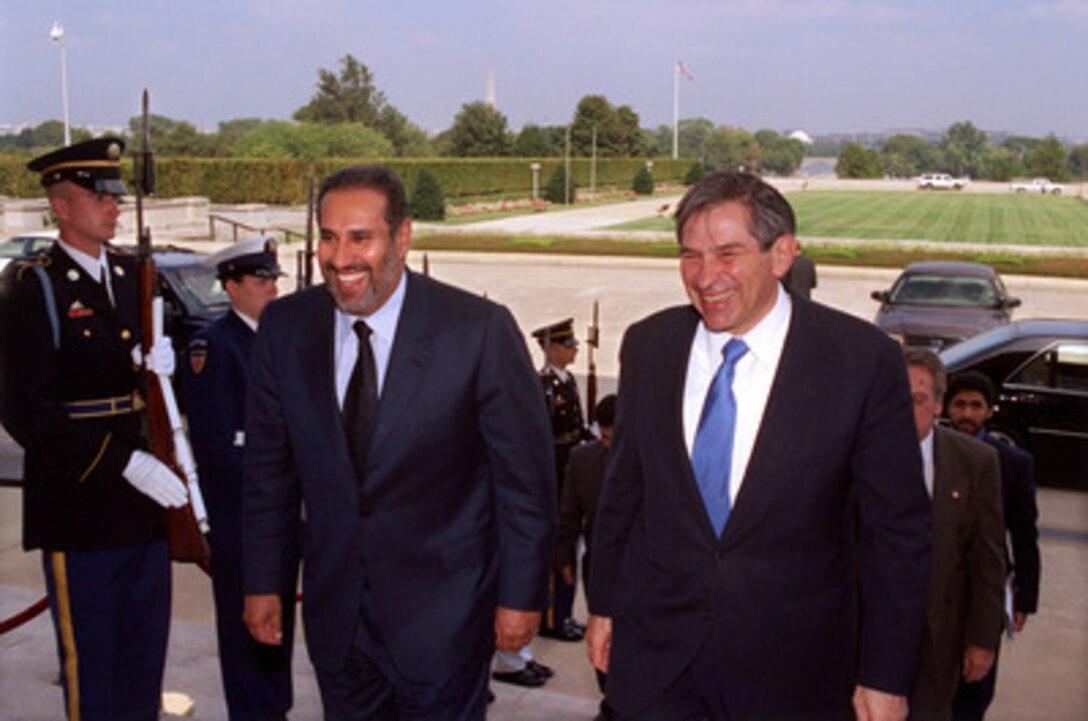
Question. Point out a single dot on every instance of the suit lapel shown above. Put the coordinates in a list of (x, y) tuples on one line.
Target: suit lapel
[(316, 363), (412, 353)]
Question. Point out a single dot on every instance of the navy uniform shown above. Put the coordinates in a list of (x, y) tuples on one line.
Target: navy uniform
[(256, 677), (71, 400), (568, 430)]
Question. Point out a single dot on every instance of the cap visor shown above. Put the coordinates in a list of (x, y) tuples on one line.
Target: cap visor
[(110, 186)]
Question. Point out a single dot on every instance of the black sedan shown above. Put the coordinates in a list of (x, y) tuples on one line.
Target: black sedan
[(936, 304), (1040, 371)]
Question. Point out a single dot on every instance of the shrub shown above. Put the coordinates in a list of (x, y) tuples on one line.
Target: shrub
[(428, 202), (643, 184), (556, 191), (695, 173)]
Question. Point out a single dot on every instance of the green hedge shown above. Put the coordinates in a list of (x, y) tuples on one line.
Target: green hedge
[(285, 181)]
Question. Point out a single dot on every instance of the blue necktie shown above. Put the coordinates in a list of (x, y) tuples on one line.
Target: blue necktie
[(713, 451)]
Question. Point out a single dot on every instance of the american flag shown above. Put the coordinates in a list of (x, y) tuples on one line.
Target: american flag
[(683, 71)]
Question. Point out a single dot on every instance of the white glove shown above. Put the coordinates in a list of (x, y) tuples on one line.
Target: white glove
[(154, 479), (160, 360)]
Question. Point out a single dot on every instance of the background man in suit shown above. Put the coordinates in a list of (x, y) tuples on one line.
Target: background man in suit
[(794, 587), (93, 497), (970, 405), (256, 677), (963, 622), (429, 500)]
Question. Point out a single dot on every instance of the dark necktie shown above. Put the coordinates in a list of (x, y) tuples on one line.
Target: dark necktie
[(361, 400), (712, 453)]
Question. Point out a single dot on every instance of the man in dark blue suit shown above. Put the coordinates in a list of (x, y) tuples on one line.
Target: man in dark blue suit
[(402, 418), (256, 677), (761, 548), (970, 405)]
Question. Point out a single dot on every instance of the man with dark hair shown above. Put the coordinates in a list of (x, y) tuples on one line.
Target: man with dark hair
[(396, 423), (963, 621), (761, 547), (969, 404), (256, 677), (93, 496)]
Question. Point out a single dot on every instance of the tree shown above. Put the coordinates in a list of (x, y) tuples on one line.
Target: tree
[(534, 142), (313, 141), (856, 161), (408, 139), (906, 156), (779, 155), (643, 182), (1078, 161), (727, 148), (350, 97), (595, 114), (1020, 146), (629, 134), (428, 202), (479, 131), (695, 173), (1049, 160), (1003, 165), (964, 148), (556, 189)]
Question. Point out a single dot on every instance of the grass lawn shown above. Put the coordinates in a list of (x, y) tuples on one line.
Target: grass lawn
[(950, 217)]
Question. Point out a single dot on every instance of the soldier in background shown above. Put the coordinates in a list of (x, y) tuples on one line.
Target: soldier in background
[(568, 430), (93, 497), (256, 677)]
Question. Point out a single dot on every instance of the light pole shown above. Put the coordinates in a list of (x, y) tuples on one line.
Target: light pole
[(57, 35)]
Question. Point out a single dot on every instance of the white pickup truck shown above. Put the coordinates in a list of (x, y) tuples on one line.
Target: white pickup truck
[(940, 181), (1037, 185)]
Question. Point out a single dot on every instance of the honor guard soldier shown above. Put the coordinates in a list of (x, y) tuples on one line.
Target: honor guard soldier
[(93, 497), (568, 430), (256, 677)]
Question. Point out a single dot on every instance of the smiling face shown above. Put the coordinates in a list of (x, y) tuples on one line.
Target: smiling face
[(730, 281), (360, 260)]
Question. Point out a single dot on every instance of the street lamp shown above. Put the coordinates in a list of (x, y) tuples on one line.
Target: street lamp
[(57, 36)]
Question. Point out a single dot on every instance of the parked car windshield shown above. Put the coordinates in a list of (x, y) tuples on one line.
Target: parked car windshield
[(930, 289), (199, 288)]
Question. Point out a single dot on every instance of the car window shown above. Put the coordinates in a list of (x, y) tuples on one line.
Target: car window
[(925, 289), (200, 289), (12, 249), (1064, 367)]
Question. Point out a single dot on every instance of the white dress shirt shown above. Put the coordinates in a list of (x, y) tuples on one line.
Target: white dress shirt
[(927, 461), (97, 268), (383, 328), (752, 381)]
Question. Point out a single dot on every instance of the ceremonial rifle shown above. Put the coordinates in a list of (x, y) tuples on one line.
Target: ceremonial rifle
[(187, 525), (593, 339)]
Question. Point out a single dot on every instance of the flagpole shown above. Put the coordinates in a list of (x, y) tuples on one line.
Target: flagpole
[(676, 110)]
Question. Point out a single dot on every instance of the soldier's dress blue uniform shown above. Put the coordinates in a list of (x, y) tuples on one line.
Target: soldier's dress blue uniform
[(256, 677), (70, 402)]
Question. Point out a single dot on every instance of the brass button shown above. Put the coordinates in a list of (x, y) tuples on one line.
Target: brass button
[(86, 332), (126, 334)]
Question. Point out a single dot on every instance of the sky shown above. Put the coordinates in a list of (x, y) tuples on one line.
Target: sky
[(824, 66)]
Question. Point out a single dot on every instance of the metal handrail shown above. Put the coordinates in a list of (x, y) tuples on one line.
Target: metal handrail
[(288, 234)]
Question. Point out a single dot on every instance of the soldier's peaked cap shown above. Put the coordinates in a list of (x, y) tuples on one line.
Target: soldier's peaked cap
[(251, 256), (561, 333), (92, 164)]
